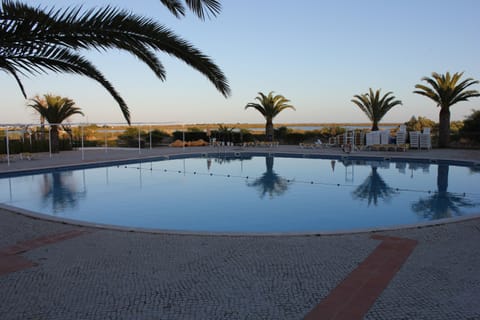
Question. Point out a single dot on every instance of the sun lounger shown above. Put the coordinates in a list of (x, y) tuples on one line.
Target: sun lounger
[(372, 138), (384, 137), (25, 156), (425, 139), (414, 139)]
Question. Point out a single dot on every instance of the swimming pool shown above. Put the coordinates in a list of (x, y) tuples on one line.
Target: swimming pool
[(252, 193)]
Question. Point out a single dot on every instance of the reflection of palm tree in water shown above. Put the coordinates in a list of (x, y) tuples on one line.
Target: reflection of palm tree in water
[(373, 188), (60, 188), (270, 182), (441, 204)]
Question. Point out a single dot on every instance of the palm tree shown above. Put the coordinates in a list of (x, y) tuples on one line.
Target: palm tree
[(270, 106), (225, 133), (36, 40), (55, 110), (375, 107), (446, 90)]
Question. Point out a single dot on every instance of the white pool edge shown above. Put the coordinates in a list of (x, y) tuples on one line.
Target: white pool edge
[(49, 218)]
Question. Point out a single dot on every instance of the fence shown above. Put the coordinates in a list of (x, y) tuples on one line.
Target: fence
[(36, 137)]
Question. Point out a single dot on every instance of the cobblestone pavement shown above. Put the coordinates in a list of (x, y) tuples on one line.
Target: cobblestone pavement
[(108, 274)]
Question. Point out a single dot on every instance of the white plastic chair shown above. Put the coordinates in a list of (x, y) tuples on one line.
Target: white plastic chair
[(372, 138), (402, 135), (414, 139), (425, 139), (384, 137)]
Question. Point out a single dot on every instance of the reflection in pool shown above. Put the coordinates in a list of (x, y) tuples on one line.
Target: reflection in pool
[(251, 194)]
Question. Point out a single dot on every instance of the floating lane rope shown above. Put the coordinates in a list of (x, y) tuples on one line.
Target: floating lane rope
[(310, 182)]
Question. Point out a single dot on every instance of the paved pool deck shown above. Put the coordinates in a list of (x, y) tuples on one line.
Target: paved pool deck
[(52, 270)]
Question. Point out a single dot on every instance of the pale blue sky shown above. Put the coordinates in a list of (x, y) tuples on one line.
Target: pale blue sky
[(316, 53)]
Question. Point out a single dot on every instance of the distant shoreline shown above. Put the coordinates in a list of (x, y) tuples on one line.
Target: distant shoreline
[(261, 126)]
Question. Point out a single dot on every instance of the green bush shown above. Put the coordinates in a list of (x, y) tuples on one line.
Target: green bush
[(19, 146), (471, 127), (415, 124), (190, 135), (158, 136)]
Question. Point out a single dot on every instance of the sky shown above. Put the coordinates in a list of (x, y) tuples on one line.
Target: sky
[(317, 53)]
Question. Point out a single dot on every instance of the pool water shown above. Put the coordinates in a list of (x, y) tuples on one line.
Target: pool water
[(252, 194)]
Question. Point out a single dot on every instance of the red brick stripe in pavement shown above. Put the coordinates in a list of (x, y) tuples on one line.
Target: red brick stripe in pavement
[(355, 295), (11, 261)]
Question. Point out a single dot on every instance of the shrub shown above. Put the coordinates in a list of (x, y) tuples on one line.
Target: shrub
[(190, 135), (471, 127), (415, 124), (158, 136)]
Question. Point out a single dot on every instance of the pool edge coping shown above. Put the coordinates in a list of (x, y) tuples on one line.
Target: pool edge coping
[(41, 216)]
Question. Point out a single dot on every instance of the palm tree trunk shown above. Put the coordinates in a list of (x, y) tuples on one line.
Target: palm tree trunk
[(269, 130), (54, 139), (375, 126), (444, 127)]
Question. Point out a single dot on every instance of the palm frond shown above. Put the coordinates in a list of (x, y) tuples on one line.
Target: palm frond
[(375, 106), (202, 8), (175, 7), (8, 68), (28, 32), (257, 107), (61, 60), (445, 90)]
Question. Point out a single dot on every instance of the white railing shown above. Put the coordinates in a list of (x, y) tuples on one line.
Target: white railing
[(25, 130)]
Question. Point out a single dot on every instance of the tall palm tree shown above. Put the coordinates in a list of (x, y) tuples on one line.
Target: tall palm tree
[(36, 40), (446, 90), (374, 106), (55, 110), (270, 106)]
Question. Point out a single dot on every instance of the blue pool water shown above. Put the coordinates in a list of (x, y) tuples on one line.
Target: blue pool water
[(251, 194)]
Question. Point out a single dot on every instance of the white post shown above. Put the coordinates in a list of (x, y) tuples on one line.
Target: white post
[(83, 151), (106, 131), (8, 148), (183, 136), (50, 140), (139, 144), (150, 132)]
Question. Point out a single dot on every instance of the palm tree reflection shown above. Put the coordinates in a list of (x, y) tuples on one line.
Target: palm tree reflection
[(60, 188), (441, 204), (270, 183), (373, 189)]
